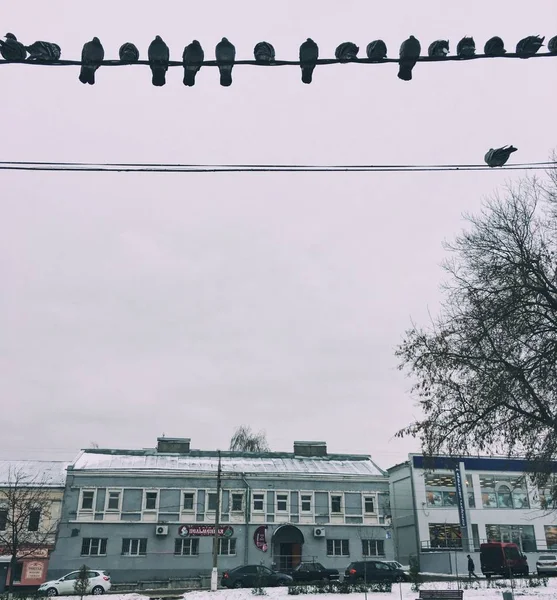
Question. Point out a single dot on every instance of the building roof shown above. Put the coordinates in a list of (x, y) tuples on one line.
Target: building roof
[(271, 463), (42, 473)]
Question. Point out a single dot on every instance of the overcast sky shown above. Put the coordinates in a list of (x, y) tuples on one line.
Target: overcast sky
[(134, 305)]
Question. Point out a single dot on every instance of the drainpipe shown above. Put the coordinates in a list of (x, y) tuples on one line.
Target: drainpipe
[(247, 516)]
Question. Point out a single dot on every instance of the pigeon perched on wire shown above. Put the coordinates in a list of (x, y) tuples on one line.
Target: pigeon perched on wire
[(409, 53), (499, 156), (466, 48), (158, 55), (438, 48), (552, 45), (346, 52), (494, 47), (528, 46), (92, 56), (376, 50), (192, 58), (12, 50), (225, 53), (309, 53), (43, 52), (264, 52), (128, 53)]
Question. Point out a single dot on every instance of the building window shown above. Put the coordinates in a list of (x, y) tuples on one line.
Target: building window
[(188, 501), (93, 547), (186, 547), (551, 537), (227, 546), (369, 504), (306, 502), (134, 546), (504, 492), (373, 548), (34, 520), (258, 502), (336, 503), (445, 535), (337, 548), (3, 519), (282, 502), (237, 504), (113, 501), (151, 499), (87, 500), (521, 535), (440, 489), (211, 502)]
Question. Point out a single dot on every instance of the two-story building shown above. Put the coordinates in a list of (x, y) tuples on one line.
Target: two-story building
[(150, 514), (443, 508)]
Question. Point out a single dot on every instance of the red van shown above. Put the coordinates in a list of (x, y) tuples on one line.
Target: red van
[(502, 558)]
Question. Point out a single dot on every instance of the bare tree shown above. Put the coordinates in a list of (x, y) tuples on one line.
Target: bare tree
[(245, 440), (82, 582), (26, 522), (486, 368)]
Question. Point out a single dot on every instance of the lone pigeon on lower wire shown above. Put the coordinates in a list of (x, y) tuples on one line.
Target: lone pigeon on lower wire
[(92, 56), (409, 53), (466, 48), (499, 156), (309, 53), (494, 47), (158, 55), (43, 52), (225, 53), (12, 50), (376, 50), (346, 52), (528, 46), (128, 53), (192, 58), (552, 45), (438, 48), (264, 52)]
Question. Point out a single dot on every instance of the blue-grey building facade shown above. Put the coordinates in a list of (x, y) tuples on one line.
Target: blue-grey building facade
[(150, 514)]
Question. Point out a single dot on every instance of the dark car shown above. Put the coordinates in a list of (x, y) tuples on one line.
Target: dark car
[(373, 570), (313, 571), (254, 576)]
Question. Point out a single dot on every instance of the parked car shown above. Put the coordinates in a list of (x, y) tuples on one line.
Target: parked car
[(546, 564), (313, 571), (254, 576), (502, 558), (373, 570), (99, 583)]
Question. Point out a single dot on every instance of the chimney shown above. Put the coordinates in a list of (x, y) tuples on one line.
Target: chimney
[(173, 445), (310, 448)]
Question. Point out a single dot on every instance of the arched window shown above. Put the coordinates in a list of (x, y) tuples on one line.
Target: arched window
[(504, 496)]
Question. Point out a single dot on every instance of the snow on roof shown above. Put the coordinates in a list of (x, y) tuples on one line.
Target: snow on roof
[(46, 473), (98, 461)]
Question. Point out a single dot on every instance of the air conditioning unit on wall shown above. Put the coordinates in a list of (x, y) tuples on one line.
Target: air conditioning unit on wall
[(161, 529), (319, 532)]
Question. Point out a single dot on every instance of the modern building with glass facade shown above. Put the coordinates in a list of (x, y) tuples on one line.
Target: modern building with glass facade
[(438, 521)]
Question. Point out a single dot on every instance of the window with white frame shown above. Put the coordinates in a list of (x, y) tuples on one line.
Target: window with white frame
[(282, 502), (134, 546), (338, 548), (186, 547), (188, 501), (87, 500), (211, 502), (306, 503), (373, 548), (369, 505), (227, 546), (236, 501), (34, 519), (113, 499), (258, 502), (336, 503), (93, 546), (150, 500)]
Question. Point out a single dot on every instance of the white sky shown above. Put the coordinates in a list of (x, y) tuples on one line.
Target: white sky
[(137, 304)]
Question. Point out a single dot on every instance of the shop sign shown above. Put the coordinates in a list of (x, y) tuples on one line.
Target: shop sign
[(34, 569), (260, 538), (204, 531)]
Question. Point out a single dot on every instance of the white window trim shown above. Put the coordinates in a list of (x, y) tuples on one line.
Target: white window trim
[(93, 508), (375, 497), (90, 544), (150, 510), (191, 540), (258, 511), (228, 540), (288, 502), (206, 507), (113, 490), (193, 510), (237, 493), (311, 510), (342, 504), (138, 547), (334, 554)]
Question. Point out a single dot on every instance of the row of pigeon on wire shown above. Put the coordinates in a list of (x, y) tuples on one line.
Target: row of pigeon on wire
[(193, 57)]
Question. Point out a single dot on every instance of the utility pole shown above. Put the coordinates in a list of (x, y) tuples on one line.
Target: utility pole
[(214, 572)]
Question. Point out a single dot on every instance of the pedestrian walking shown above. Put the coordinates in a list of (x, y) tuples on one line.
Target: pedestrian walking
[(471, 568)]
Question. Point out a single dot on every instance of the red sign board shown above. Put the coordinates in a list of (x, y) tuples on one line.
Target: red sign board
[(259, 538), (204, 531)]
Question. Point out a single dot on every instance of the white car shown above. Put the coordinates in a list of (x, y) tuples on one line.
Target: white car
[(547, 563), (99, 583)]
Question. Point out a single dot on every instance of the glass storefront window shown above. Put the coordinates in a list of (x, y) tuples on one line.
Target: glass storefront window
[(551, 537), (504, 492), (521, 535), (445, 535), (441, 490)]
